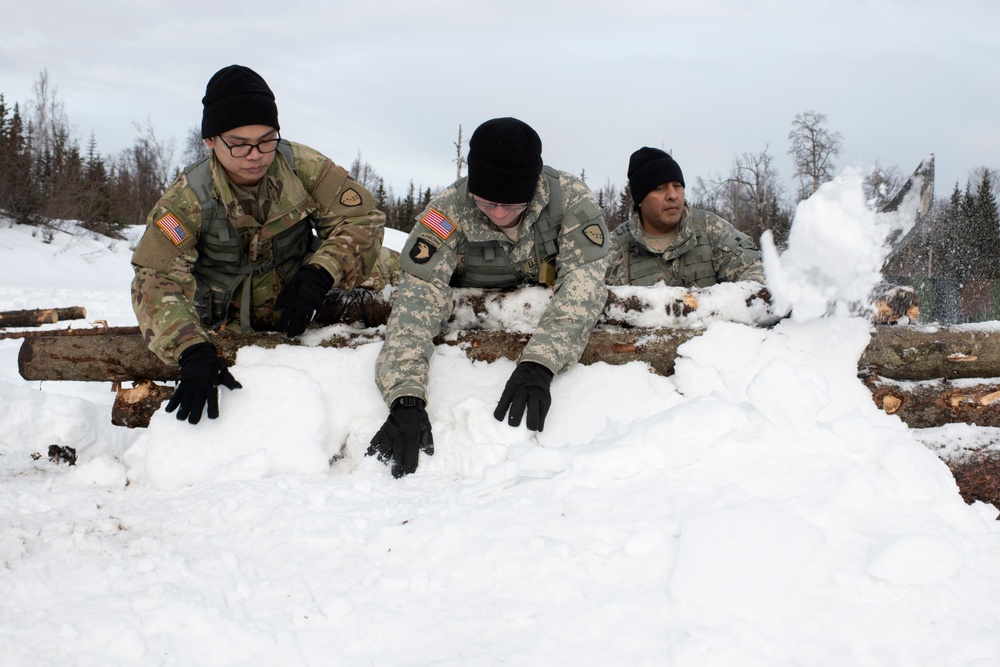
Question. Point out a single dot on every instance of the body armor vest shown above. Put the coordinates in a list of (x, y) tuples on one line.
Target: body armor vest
[(694, 268), (223, 262), (488, 265)]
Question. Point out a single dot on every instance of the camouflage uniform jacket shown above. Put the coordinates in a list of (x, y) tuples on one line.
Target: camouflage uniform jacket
[(167, 261), (432, 261), (708, 250)]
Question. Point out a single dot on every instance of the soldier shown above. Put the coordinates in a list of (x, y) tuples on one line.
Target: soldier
[(666, 240), (512, 222), (251, 237)]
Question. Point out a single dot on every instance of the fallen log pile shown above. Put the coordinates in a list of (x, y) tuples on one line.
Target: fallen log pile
[(927, 376), (38, 316)]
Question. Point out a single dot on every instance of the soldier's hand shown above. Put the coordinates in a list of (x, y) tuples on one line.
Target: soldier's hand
[(526, 390), (202, 372), (403, 436), (299, 300)]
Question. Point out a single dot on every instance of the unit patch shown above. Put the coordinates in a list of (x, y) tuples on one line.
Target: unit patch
[(350, 197), (422, 251), (595, 234), (173, 228), (439, 224)]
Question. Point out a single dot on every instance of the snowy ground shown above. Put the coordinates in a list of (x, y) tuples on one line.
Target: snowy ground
[(753, 509)]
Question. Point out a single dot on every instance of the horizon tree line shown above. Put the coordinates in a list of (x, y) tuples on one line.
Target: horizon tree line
[(46, 176)]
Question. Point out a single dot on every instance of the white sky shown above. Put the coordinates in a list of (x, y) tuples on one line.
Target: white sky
[(394, 79)]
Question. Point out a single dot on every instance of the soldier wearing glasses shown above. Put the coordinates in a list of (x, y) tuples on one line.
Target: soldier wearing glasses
[(512, 222), (250, 238)]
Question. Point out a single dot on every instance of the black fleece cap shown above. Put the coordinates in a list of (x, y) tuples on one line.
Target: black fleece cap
[(505, 160), (237, 96), (649, 168)]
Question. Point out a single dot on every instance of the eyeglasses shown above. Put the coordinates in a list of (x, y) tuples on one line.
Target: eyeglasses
[(242, 150), (483, 204)]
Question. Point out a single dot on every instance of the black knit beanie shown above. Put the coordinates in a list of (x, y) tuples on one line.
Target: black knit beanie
[(649, 168), (505, 160), (237, 96)]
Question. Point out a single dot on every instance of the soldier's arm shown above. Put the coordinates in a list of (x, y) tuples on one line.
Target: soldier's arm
[(579, 292), (423, 303), (735, 255), (163, 287), (615, 274), (349, 225)]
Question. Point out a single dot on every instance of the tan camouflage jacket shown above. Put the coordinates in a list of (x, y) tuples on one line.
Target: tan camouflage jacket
[(431, 258), (708, 250), (349, 227)]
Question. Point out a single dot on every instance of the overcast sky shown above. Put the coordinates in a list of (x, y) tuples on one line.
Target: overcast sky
[(394, 79)]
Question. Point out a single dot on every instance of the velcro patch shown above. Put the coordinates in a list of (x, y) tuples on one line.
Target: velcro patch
[(439, 224), (350, 197), (422, 251), (173, 228), (595, 234)]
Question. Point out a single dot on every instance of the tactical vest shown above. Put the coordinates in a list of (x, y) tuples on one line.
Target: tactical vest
[(223, 265), (488, 265), (692, 269)]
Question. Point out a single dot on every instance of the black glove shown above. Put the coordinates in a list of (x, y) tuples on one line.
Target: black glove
[(404, 433), (301, 298), (201, 374), (528, 386)]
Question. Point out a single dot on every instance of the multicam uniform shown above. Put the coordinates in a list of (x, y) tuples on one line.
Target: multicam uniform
[(193, 272), (708, 250), (563, 243)]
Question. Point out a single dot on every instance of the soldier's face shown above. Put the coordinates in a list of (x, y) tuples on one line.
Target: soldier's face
[(247, 170), (501, 215), (662, 208)]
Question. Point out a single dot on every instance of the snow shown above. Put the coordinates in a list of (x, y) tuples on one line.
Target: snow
[(753, 509)]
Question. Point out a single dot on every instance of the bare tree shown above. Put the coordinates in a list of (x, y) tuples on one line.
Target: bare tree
[(364, 173), (458, 149), (813, 149), (750, 197), (194, 147), (142, 173)]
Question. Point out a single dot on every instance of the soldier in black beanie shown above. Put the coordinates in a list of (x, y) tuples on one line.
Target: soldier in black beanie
[(665, 240), (512, 222), (251, 237)]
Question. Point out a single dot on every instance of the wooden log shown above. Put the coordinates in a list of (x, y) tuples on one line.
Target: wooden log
[(896, 352), (926, 353), (39, 316), (134, 407), (928, 404), (93, 331), (977, 476)]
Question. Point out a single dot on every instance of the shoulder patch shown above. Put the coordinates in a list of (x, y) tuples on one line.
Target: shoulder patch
[(439, 224), (351, 197), (173, 228), (422, 251), (595, 234)]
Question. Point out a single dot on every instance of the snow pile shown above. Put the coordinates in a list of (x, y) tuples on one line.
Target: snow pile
[(755, 508)]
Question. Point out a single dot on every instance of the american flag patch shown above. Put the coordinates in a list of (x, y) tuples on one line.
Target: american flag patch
[(172, 227), (437, 222)]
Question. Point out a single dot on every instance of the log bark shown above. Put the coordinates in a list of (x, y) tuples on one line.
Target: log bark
[(39, 316), (923, 405), (926, 353), (896, 352)]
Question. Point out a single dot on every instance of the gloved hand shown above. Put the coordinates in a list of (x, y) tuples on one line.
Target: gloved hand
[(300, 298), (528, 387), (403, 435), (201, 374)]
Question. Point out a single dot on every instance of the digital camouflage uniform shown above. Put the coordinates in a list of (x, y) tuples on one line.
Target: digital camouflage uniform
[(708, 250), (433, 260), (167, 259)]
